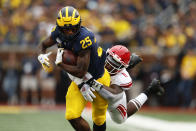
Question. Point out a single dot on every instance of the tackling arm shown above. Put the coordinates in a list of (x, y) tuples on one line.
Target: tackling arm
[(112, 93), (135, 59)]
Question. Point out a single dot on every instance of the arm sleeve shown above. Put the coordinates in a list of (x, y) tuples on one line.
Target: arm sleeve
[(54, 34), (109, 96)]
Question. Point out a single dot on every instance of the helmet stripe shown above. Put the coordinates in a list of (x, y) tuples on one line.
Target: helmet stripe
[(60, 14), (70, 11), (63, 12), (67, 8), (68, 16), (73, 15)]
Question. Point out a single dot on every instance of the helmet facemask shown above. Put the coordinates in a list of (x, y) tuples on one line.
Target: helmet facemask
[(112, 65), (66, 29), (118, 57)]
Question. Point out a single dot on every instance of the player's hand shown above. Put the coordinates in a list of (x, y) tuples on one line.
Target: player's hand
[(59, 56), (154, 88), (135, 59), (95, 84), (44, 60), (87, 93)]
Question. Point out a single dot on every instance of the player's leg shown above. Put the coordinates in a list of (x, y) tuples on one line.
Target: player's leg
[(100, 127), (99, 106), (79, 124), (75, 104), (135, 104), (118, 109)]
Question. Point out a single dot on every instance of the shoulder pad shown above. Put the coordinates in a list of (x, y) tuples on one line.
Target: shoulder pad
[(123, 80)]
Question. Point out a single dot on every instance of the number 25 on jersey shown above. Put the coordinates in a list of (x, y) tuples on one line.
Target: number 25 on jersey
[(86, 42)]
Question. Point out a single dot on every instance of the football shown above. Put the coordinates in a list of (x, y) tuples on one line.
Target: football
[(69, 57)]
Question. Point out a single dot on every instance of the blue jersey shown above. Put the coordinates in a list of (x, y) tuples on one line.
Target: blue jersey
[(84, 40)]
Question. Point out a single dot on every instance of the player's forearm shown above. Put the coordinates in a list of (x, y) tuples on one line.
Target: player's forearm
[(81, 68), (109, 96), (73, 70), (114, 89), (48, 42), (42, 49), (112, 93)]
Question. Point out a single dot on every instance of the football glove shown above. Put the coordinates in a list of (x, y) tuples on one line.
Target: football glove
[(135, 59), (81, 81), (94, 84), (59, 56), (154, 88), (44, 60), (87, 93)]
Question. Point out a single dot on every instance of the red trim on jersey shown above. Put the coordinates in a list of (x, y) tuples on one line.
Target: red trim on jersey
[(126, 85), (124, 74), (122, 110)]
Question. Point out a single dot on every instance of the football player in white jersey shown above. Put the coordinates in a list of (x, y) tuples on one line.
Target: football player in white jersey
[(118, 59)]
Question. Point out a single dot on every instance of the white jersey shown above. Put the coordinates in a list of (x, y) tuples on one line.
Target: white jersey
[(118, 109), (122, 79)]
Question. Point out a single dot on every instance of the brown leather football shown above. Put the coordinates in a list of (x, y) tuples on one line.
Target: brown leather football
[(69, 57)]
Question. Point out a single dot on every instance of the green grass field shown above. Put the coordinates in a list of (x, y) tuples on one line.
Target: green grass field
[(34, 121), (37, 121), (15, 119)]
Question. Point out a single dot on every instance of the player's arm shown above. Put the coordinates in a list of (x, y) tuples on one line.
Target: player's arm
[(134, 60), (135, 104), (81, 68), (43, 56), (112, 93), (114, 89), (48, 42)]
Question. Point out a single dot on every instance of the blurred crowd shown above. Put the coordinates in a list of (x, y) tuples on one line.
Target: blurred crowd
[(164, 30)]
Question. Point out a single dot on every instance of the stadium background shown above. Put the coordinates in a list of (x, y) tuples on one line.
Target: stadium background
[(163, 32)]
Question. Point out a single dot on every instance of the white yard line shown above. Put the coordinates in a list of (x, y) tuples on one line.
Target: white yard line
[(159, 125), (144, 123)]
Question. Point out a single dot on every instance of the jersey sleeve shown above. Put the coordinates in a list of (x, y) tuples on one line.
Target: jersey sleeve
[(54, 34), (127, 85)]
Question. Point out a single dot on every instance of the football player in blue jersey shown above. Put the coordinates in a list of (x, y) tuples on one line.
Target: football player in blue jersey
[(69, 34)]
